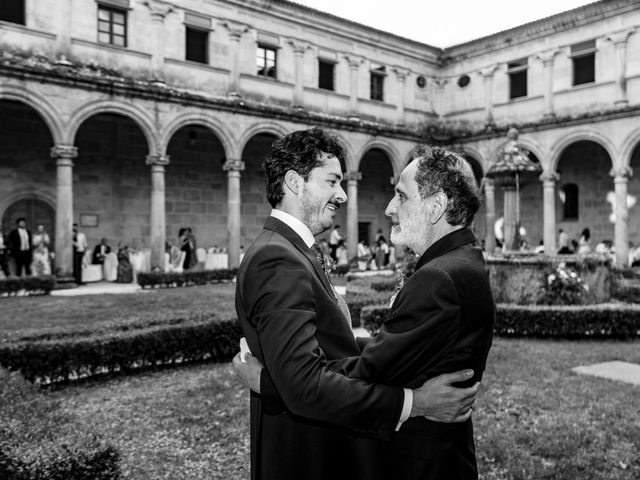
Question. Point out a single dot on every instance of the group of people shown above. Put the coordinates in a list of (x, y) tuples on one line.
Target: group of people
[(327, 405), (25, 253)]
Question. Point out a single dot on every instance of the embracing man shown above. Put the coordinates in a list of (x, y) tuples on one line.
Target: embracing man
[(348, 413)]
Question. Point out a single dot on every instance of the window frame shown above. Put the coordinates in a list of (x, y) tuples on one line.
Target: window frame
[(331, 64), (267, 48), (376, 92), (581, 51), (518, 69), (111, 11), (202, 31), (22, 17)]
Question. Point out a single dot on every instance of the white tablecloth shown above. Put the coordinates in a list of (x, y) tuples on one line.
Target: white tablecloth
[(216, 261)]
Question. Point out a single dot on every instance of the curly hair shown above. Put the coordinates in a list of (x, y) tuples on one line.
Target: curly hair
[(442, 171), (298, 151)]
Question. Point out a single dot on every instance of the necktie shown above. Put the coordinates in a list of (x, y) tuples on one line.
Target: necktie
[(341, 302), (320, 256)]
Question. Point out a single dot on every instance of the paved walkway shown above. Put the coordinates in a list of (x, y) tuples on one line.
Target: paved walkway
[(621, 371), (98, 288)]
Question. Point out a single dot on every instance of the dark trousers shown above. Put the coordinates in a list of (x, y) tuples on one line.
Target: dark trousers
[(333, 252), (77, 266), (23, 260), (4, 262)]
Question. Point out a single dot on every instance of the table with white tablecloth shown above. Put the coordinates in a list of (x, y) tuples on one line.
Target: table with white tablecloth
[(216, 261)]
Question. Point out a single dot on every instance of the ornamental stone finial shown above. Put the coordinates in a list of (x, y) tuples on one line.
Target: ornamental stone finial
[(64, 151)]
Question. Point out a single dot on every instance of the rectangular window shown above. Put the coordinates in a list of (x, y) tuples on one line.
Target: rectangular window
[(12, 11), (583, 56), (517, 71), (266, 61), (325, 75), (197, 45), (112, 26), (377, 83)]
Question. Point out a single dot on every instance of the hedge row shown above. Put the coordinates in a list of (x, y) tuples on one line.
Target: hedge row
[(40, 442), (62, 359), (627, 293), (385, 285), (185, 279), (574, 322), (39, 285), (358, 301)]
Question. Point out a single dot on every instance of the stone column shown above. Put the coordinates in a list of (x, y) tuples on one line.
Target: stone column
[(620, 179), (233, 168), (64, 155), (547, 62), (299, 48), (620, 42), (158, 13), (352, 177), (158, 219), (490, 215), (487, 74), (235, 33), (401, 75), (549, 180), (511, 226), (354, 67)]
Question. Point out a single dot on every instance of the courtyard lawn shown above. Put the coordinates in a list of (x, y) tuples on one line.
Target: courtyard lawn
[(534, 419)]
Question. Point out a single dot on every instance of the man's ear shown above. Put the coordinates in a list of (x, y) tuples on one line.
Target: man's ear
[(438, 207), (293, 181)]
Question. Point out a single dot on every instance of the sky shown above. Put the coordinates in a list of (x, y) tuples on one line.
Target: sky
[(443, 23)]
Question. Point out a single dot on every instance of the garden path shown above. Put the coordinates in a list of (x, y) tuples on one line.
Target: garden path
[(621, 371)]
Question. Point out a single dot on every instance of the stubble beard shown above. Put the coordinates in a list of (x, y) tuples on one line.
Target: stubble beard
[(312, 214)]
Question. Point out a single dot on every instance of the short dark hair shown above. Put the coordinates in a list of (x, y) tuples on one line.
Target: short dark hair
[(74, 225), (298, 151), (21, 219), (442, 170)]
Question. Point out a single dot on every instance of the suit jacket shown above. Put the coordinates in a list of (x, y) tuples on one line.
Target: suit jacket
[(441, 321), (96, 257), (294, 326), (14, 242)]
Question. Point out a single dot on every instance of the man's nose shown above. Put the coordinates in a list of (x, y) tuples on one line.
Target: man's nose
[(341, 196), (391, 208)]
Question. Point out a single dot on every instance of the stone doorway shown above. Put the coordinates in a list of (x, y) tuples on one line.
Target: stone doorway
[(35, 212)]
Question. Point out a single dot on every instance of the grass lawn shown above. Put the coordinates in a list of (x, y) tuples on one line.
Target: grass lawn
[(535, 419)]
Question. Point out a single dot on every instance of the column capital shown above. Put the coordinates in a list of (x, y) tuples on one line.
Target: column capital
[(548, 55), (64, 151), (353, 176), (549, 177), (354, 61), (236, 30), (160, 160), (158, 10), (401, 73), (621, 172), (619, 39), (299, 47), (488, 184), (440, 82), (487, 72), (233, 165)]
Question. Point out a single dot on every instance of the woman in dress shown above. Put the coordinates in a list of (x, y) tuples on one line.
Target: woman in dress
[(125, 270), (584, 244), (41, 263)]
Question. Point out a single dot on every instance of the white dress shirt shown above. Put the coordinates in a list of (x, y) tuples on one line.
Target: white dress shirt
[(303, 231), (24, 239)]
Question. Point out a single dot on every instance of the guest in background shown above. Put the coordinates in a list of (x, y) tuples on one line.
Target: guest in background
[(193, 259), (125, 269), (20, 241), (341, 255), (563, 243), (41, 264), (584, 244), (100, 252), (4, 260), (334, 240), (79, 249), (382, 253), (364, 255)]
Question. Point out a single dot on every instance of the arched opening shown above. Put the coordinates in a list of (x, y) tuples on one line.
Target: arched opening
[(196, 187), (111, 187), (633, 200), (586, 165), (375, 190)]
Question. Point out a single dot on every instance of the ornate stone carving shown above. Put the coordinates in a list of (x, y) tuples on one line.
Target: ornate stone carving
[(159, 10), (549, 177), (547, 56), (489, 71), (64, 151), (619, 39), (401, 73), (621, 172), (353, 176), (236, 30), (299, 47), (161, 160), (354, 61), (233, 165)]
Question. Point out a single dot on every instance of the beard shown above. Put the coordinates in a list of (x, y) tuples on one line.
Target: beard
[(409, 233), (314, 215)]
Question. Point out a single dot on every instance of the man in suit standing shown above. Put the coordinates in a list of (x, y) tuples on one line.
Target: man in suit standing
[(79, 249), (295, 324), (20, 242)]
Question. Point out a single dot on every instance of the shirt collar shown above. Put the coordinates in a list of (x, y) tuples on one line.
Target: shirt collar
[(296, 225)]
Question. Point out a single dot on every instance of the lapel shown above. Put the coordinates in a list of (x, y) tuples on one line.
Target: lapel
[(281, 228), (447, 243)]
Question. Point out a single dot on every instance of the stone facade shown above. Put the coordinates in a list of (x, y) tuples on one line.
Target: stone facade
[(147, 141)]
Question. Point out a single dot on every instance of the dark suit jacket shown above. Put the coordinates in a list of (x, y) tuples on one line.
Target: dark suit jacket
[(441, 321), (98, 259), (294, 326), (14, 241)]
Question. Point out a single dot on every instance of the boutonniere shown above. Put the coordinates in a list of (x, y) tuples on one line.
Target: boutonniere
[(401, 277), (328, 264)]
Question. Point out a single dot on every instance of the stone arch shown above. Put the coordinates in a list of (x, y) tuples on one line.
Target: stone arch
[(387, 147), (476, 155), (262, 127), (350, 160), (25, 192), (198, 118), (577, 136), (139, 116), (47, 111), (628, 147)]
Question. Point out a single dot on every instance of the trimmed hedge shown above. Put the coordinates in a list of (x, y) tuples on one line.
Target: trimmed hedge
[(626, 293), (185, 279), (40, 442), (70, 358), (386, 285), (358, 301), (39, 285), (611, 321)]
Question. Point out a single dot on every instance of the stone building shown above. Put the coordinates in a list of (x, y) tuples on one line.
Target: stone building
[(135, 118)]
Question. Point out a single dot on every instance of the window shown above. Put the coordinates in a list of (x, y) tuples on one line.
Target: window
[(197, 45), (517, 71), (266, 61), (12, 11), (570, 191), (421, 81), (112, 26), (325, 75), (583, 56), (377, 83), (464, 81)]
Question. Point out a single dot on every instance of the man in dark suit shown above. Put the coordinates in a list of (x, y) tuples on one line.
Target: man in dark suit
[(442, 319), (295, 324), (100, 252), (20, 244)]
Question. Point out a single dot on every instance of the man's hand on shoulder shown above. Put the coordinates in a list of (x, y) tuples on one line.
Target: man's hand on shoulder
[(248, 370), (439, 401)]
